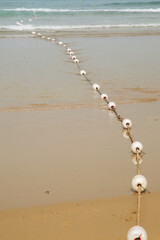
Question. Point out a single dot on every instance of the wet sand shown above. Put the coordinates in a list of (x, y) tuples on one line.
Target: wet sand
[(41, 76), (73, 161), (74, 154)]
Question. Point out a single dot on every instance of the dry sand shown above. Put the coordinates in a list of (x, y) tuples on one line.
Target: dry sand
[(88, 220)]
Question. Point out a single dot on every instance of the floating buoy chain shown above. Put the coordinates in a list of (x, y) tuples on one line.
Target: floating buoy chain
[(139, 182)]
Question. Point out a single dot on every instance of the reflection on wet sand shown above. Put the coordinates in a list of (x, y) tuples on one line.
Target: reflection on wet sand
[(48, 83)]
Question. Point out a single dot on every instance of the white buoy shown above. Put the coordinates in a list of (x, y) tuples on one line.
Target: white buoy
[(139, 180), (39, 34), (43, 37), (126, 123), (69, 50), (18, 23), (134, 158), (71, 53), (64, 45), (30, 20), (111, 105), (95, 86), (137, 233), (60, 43), (104, 96), (33, 33), (76, 61), (136, 147), (49, 38), (125, 133), (82, 72), (21, 21), (73, 57)]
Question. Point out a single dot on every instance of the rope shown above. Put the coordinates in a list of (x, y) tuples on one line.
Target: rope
[(139, 191), (138, 157), (99, 92), (138, 205), (78, 66), (138, 165), (88, 80), (129, 133), (117, 115), (106, 101)]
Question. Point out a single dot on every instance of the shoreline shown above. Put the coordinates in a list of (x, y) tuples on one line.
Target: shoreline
[(114, 32)]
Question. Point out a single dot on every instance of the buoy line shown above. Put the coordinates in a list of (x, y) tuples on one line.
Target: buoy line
[(139, 182)]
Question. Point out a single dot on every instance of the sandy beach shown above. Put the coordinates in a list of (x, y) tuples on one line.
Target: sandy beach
[(72, 154), (66, 168), (94, 219)]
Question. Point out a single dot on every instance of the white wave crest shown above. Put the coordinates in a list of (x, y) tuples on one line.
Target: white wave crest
[(153, 10), (74, 27)]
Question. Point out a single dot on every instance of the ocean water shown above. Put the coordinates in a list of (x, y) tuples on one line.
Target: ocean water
[(78, 15)]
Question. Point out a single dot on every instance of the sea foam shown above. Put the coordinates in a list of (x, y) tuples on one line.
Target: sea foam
[(72, 27), (129, 10)]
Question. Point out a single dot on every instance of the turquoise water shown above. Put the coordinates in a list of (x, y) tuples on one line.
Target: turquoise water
[(60, 15)]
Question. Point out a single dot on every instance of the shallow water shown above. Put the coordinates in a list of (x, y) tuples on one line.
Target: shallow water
[(72, 15)]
